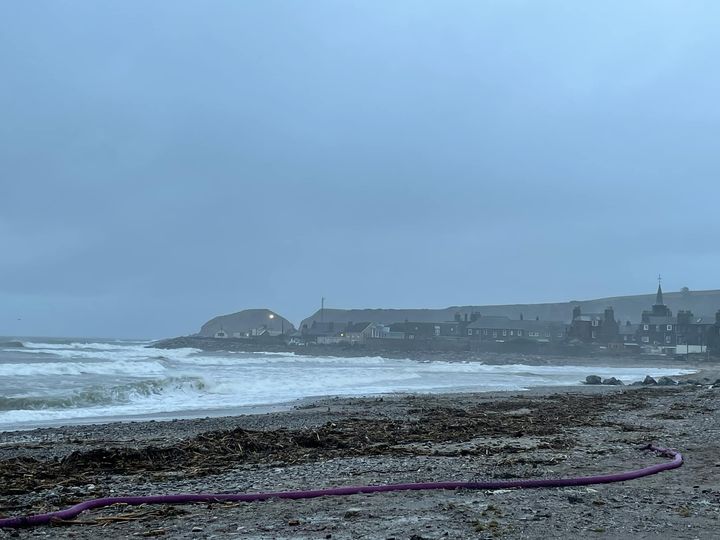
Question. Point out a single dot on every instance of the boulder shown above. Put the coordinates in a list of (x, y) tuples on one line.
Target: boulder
[(666, 381), (593, 379), (649, 380), (612, 381)]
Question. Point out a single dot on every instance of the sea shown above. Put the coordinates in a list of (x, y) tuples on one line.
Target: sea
[(51, 382)]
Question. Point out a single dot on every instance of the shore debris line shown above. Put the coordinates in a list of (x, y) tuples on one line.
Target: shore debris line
[(214, 451)]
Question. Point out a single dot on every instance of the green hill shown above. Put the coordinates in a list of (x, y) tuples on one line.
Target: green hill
[(246, 321), (627, 308)]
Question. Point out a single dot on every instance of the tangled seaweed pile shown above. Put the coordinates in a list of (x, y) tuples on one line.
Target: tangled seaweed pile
[(211, 452)]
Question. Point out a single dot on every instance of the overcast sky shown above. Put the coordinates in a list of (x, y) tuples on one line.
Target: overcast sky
[(164, 162)]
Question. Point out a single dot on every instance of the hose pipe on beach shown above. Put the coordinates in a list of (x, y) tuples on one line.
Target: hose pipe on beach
[(74, 511)]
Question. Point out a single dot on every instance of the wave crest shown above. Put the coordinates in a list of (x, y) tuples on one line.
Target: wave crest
[(102, 396)]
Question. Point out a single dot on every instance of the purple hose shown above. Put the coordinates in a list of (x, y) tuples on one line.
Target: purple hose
[(73, 511)]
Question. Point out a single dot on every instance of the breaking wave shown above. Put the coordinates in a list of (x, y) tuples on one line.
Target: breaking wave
[(101, 396), (105, 351), (49, 383), (124, 368)]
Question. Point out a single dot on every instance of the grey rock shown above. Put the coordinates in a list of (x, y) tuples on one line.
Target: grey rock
[(612, 381), (649, 380), (352, 513), (666, 381), (593, 379)]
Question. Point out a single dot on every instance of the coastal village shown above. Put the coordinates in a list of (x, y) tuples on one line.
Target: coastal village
[(657, 330)]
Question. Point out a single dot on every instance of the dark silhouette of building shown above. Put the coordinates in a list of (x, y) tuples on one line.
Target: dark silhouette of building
[(594, 327), (658, 326), (504, 329)]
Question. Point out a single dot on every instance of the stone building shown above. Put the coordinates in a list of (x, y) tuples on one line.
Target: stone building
[(658, 327), (594, 327)]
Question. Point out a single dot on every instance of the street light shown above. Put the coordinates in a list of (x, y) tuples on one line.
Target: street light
[(271, 316)]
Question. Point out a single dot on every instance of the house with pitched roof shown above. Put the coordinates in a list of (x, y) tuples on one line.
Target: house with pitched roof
[(594, 327), (504, 329)]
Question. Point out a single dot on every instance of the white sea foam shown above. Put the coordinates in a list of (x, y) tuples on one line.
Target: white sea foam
[(40, 369), (61, 383)]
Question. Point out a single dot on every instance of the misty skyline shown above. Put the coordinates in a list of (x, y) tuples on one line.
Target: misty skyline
[(163, 163)]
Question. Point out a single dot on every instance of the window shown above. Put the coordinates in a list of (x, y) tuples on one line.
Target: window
[(512, 332), (593, 335), (520, 333), (504, 332), (667, 339), (485, 332), (437, 330), (669, 326), (469, 331), (596, 323), (646, 339), (646, 327), (657, 327), (494, 334)]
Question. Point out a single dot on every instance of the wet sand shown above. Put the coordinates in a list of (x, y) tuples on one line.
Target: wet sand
[(550, 432)]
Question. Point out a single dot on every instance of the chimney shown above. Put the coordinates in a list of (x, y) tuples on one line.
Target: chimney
[(576, 312), (466, 317), (609, 315), (521, 317)]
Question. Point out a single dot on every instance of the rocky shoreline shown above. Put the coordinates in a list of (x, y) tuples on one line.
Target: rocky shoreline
[(331, 442), (570, 356)]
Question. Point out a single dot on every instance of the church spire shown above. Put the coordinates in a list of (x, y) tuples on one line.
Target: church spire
[(659, 297)]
